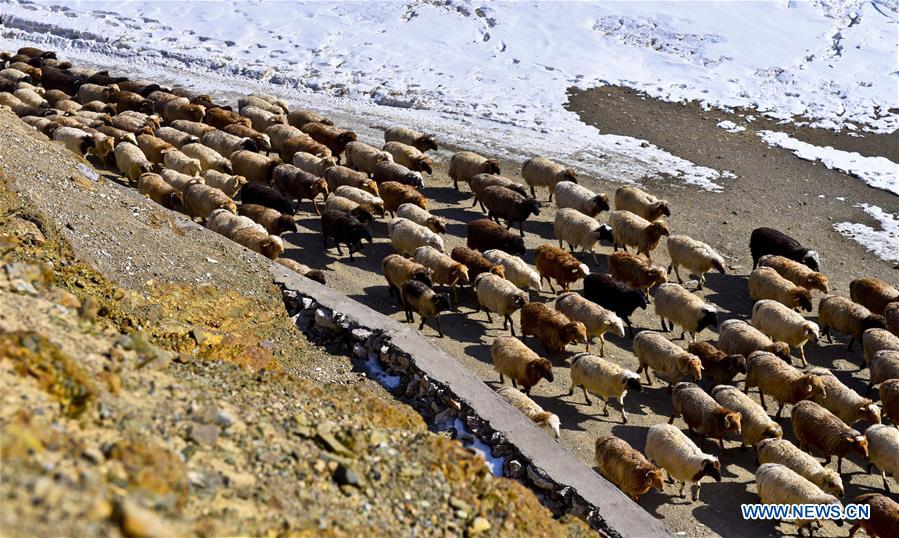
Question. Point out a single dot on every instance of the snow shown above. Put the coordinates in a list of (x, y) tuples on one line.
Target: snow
[(730, 126), (495, 464), (878, 172), (373, 366), (884, 243)]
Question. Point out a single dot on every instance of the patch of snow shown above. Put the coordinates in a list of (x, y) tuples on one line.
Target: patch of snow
[(495, 464), (884, 243), (878, 172), (374, 368), (730, 126)]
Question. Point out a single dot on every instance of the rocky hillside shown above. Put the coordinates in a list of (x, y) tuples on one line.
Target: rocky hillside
[(153, 385)]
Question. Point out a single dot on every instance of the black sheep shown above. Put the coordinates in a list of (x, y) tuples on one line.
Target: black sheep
[(102, 78), (765, 241), (418, 297), (53, 78), (484, 235), (254, 193), (503, 203), (345, 229), (620, 298)]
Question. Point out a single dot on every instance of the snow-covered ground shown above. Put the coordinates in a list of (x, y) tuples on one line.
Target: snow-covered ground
[(884, 243)]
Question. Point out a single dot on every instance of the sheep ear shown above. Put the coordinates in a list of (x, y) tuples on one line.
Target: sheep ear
[(850, 438), (808, 388)]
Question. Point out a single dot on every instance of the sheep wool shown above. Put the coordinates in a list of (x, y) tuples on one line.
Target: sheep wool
[(641, 203), (784, 325), (406, 236), (766, 283), (208, 157), (498, 295), (629, 229), (670, 449), (843, 401), (570, 194), (410, 157), (635, 271), (695, 256), (556, 264), (873, 293), (702, 413), (361, 197), (874, 340), (548, 422), (516, 270), (466, 164), (175, 159), (422, 217), (200, 200), (419, 141), (312, 164), (445, 270), (669, 362), (737, 337), (819, 430), (156, 189), (625, 467), (604, 379), (514, 359), (883, 451), (227, 183), (889, 399), (540, 172), (778, 484), (596, 319), (131, 161), (364, 158), (776, 378), (397, 269), (577, 229), (847, 317), (755, 423), (783, 452), (884, 366), (680, 307)]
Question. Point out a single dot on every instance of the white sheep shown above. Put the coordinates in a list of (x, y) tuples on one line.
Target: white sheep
[(670, 362), (755, 422), (641, 203), (604, 379), (874, 340), (175, 137), (801, 462), (361, 197), (262, 119), (280, 133), (406, 236), (208, 157), (445, 270), (227, 183), (225, 143), (175, 159), (464, 165), (778, 484), (498, 295), (680, 307), (670, 449), (517, 270), (76, 140), (546, 421), (131, 161), (224, 222), (884, 366), (421, 216), (843, 401), (540, 172), (595, 318), (766, 283), (630, 229), (883, 451), (181, 182), (570, 194), (360, 156), (695, 256), (784, 325), (577, 229)]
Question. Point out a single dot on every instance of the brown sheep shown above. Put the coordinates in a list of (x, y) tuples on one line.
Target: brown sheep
[(702, 413), (891, 313), (396, 194), (221, 118), (156, 189), (154, 148), (847, 317), (635, 271), (296, 183), (476, 263), (514, 359), (334, 138), (552, 328), (717, 366), (304, 144), (873, 293), (795, 272), (889, 399), (484, 235), (418, 297), (253, 166), (397, 270), (200, 200), (130, 101), (303, 270), (179, 111), (263, 143), (626, 467), (337, 176), (555, 264), (884, 520), (788, 385), (274, 222), (820, 430), (409, 157), (299, 117), (631, 229)]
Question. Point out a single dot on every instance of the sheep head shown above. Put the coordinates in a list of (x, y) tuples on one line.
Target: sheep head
[(780, 349), (858, 444), (371, 187), (598, 204), (548, 422), (660, 208), (729, 420), (709, 318), (833, 483), (811, 260), (812, 386), (499, 271), (869, 411), (718, 264), (690, 364), (569, 175), (801, 298), (459, 274), (346, 137), (710, 467), (736, 363), (541, 369), (574, 331), (874, 321), (272, 247), (656, 230), (426, 142), (490, 166), (285, 223), (440, 302), (631, 381), (817, 281)]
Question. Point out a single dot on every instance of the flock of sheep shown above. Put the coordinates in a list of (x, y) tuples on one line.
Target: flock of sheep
[(189, 154)]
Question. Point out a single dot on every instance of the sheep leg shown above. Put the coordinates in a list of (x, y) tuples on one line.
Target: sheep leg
[(854, 529), (605, 406), (827, 333), (683, 486), (489, 319), (550, 189), (533, 194), (701, 281), (886, 485), (315, 207), (662, 320), (514, 383), (721, 443), (483, 209), (802, 355), (571, 248), (561, 246), (474, 202), (511, 325), (602, 346), (456, 186), (779, 411), (696, 491), (437, 323), (623, 412), (630, 328), (521, 228), (849, 345), (501, 379), (839, 464), (551, 288), (762, 400), (422, 326), (571, 389)]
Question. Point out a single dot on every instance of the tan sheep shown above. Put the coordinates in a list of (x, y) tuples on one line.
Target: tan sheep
[(131, 161), (766, 283), (883, 451), (552, 328), (843, 401), (269, 246), (784, 325), (312, 164), (874, 340), (669, 362), (783, 452), (778, 484), (181, 182), (338, 176), (76, 140), (847, 317), (702, 413), (397, 270), (262, 119), (410, 157), (891, 314), (514, 359), (780, 380), (194, 128), (303, 270), (795, 272), (696, 256), (873, 293), (362, 197), (633, 230), (154, 148), (498, 295), (755, 423), (208, 157), (540, 172), (641, 203), (670, 449), (884, 366), (253, 166), (577, 229), (680, 307), (627, 468), (280, 133), (546, 421), (409, 137), (227, 183), (464, 165), (200, 200), (360, 156), (444, 270), (889, 398), (421, 216), (516, 270), (274, 222), (226, 144), (262, 101), (737, 337), (604, 379), (597, 320), (406, 236), (299, 117), (155, 188)]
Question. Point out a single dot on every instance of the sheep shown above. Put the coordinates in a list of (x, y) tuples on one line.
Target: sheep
[(175, 110), (10, 100), (502, 203), (396, 194), (155, 188), (397, 269), (229, 184), (103, 78), (702, 413), (670, 362), (280, 133), (418, 297), (154, 148), (255, 167), (770, 241), (390, 171), (200, 200), (94, 92), (717, 366), (670, 449), (104, 145), (274, 222), (516, 270), (604, 379), (344, 228), (874, 340), (409, 157), (883, 451), (551, 328), (546, 421), (208, 157), (91, 106), (755, 424), (641, 203), (479, 182), (31, 98), (784, 325), (181, 182), (421, 216), (620, 298), (75, 107), (161, 99), (847, 317), (263, 142), (778, 484), (466, 164), (680, 307), (498, 295), (126, 101), (254, 193), (299, 117), (199, 130), (766, 283), (306, 144), (362, 213), (843, 401), (776, 378), (269, 246), (334, 138), (596, 319), (891, 314), (406, 236), (312, 164), (696, 256), (577, 229), (740, 338), (783, 452), (268, 104), (445, 270), (360, 156), (303, 270), (226, 223), (476, 263), (884, 512), (627, 468), (635, 272), (362, 197), (175, 159), (338, 176), (261, 119), (631, 229), (76, 140), (574, 196), (555, 264), (54, 78), (419, 141), (884, 367), (34, 52), (484, 234), (889, 399), (134, 121), (514, 359), (131, 161), (299, 184), (227, 144), (220, 118), (119, 135), (540, 172), (818, 429)]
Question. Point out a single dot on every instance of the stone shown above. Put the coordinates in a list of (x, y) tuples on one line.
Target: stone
[(325, 435), (540, 479), (479, 525), (203, 434), (514, 469), (323, 319), (346, 476), (138, 522)]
